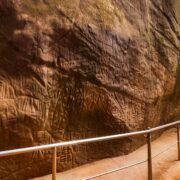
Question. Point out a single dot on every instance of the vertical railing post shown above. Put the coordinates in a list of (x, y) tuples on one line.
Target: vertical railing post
[(178, 142), (54, 163), (149, 155)]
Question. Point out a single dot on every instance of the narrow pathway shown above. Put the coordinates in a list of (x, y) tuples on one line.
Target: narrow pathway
[(165, 165)]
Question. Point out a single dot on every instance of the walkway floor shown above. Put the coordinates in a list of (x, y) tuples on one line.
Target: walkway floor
[(165, 166)]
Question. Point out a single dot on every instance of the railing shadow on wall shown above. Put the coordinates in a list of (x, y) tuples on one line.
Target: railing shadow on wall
[(147, 132)]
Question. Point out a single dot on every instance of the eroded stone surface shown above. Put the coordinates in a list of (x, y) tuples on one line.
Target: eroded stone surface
[(71, 70)]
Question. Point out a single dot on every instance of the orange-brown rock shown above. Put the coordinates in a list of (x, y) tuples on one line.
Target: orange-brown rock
[(78, 69)]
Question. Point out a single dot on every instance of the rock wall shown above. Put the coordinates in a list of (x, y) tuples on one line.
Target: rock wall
[(73, 70)]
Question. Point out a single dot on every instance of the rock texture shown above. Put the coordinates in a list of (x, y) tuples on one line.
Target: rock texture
[(84, 68)]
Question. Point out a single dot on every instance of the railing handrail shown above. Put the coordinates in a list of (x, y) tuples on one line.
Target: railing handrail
[(81, 141)]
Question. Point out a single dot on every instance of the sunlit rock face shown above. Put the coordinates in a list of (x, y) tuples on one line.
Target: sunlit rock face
[(79, 69)]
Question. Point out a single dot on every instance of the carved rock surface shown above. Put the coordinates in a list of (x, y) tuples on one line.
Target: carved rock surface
[(84, 68)]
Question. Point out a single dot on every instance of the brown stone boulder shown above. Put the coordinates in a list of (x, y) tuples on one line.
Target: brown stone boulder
[(78, 69)]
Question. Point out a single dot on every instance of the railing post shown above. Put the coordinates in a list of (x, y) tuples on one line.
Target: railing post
[(54, 163), (149, 155), (178, 142)]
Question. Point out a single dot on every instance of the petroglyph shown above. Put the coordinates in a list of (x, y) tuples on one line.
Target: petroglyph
[(80, 70)]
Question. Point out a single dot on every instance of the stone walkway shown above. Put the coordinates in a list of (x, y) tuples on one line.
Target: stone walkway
[(165, 166)]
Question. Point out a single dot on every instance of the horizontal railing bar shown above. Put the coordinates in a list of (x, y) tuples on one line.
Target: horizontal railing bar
[(68, 143), (164, 126), (81, 141)]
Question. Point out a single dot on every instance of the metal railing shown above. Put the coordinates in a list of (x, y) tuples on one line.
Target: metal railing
[(104, 138)]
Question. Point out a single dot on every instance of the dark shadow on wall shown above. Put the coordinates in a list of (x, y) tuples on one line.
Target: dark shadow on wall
[(14, 58), (18, 50)]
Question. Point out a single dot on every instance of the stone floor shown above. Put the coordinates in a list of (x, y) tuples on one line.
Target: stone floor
[(165, 166)]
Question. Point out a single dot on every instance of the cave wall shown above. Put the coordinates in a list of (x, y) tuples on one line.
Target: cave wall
[(73, 70)]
